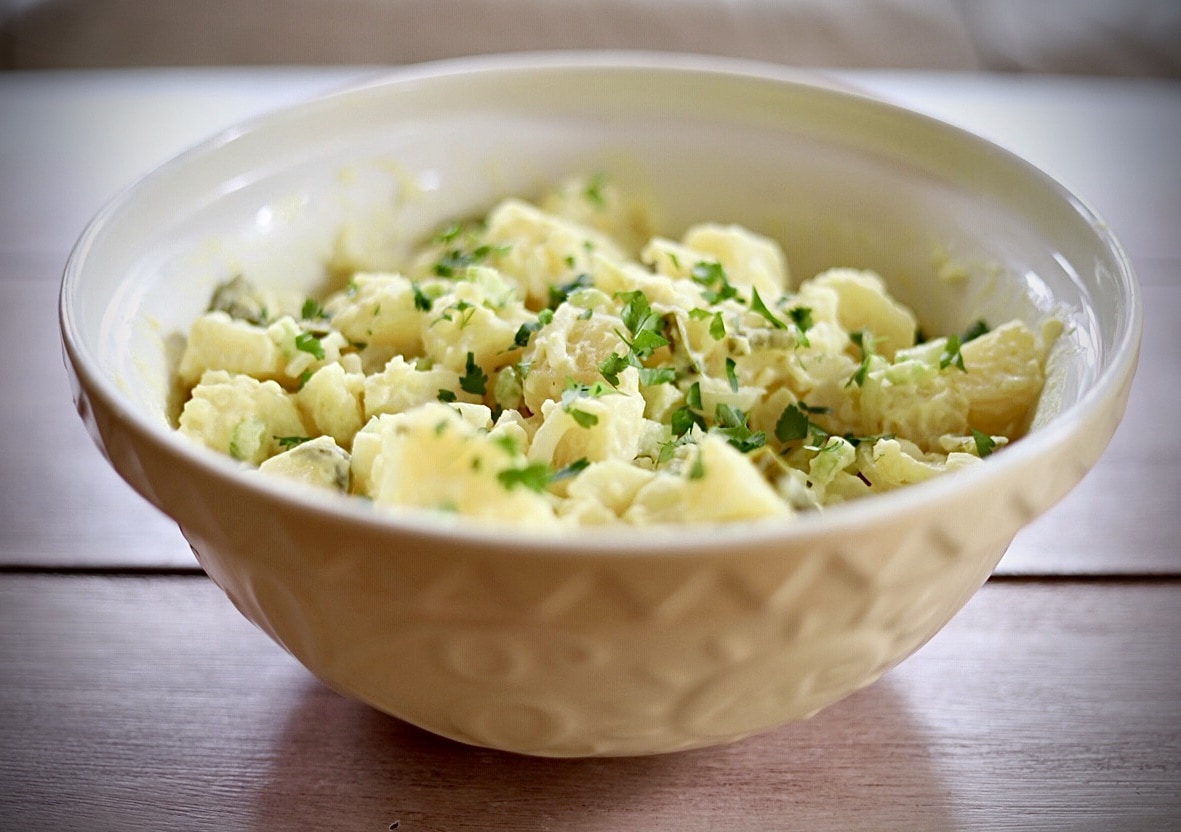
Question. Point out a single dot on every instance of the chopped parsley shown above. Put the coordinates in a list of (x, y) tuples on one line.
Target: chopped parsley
[(535, 476), (446, 396), (792, 424), (422, 301), (526, 330), (651, 376), (560, 293), (593, 192), (312, 310), (474, 380), (507, 444), (456, 260), (582, 417), (731, 423), (573, 469), (863, 338), (646, 328), (857, 440), (644, 324), (985, 444), (463, 309), (801, 316), (951, 355), (449, 233), (757, 306), (978, 328), (717, 327), (288, 442), (732, 374), (309, 342), (614, 364), (684, 418), (711, 275), (573, 393)]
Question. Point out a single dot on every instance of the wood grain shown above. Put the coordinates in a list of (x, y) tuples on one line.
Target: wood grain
[(1123, 518), (133, 703), (63, 505)]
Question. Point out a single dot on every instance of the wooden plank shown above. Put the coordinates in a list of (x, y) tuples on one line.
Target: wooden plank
[(62, 503), (132, 703), (1123, 517)]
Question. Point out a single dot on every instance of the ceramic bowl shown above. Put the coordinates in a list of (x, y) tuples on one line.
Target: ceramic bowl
[(599, 642)]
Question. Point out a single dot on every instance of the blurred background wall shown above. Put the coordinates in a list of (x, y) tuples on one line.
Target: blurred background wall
[(1106, 37)]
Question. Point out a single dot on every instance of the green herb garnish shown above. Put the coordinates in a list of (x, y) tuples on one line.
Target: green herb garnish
[(732, 374), (863, 338), (582, 417), (645, 327), (973, 332), (717, 327), (951, 355), (527, 329), (684, 418), (792, 424), (612, 366), (651, 376), (593, 192), (422, 301), (449, 233), (456, 260), (712, 276), (573, 469), (985, 444), (731, 423), (644, 324), (573, 393), (801, 316), (560, 293), (757, 305), (474, 380), (287, 442), (308, 342), (534, 476), (312, 310), (463, 308)]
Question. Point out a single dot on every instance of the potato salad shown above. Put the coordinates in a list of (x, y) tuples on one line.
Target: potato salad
[(556, 363)]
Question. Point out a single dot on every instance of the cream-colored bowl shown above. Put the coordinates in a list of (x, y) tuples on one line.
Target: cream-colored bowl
[(599, 642)]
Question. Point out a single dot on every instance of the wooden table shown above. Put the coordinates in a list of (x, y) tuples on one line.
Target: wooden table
[(133, 696)]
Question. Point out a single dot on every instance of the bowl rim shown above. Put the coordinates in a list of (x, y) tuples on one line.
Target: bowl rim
[(604, 540)]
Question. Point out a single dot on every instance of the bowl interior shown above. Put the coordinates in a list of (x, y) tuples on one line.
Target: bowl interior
[(960, 229)]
